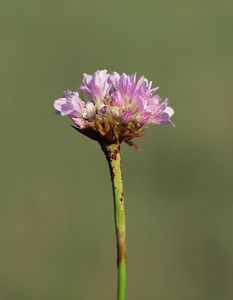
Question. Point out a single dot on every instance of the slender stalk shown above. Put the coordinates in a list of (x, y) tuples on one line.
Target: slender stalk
[(112, 153)]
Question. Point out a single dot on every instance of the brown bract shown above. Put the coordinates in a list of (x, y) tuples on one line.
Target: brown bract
[(106, 132)]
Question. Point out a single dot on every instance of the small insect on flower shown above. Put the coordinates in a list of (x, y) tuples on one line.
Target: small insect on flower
[(119, 107)]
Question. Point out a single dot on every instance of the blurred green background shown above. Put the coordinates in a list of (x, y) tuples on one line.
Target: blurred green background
[(57, 237)]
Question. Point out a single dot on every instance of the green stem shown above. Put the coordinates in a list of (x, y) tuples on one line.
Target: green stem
[(112, 153)]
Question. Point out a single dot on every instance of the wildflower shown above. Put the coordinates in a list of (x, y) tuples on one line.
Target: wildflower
[(119, 107)]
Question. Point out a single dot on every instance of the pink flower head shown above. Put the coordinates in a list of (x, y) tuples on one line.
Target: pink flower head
[(120, 107)]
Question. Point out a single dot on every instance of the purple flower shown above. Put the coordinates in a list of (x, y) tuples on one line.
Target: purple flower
[(70, 105), (120, 106), (96, 85)]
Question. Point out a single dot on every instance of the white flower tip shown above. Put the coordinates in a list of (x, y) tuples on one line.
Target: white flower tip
[(169, 111)]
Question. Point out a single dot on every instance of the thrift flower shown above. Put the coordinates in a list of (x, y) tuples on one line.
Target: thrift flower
[(119, 107)]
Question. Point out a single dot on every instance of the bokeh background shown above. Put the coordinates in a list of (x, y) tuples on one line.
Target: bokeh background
[(56, 214)]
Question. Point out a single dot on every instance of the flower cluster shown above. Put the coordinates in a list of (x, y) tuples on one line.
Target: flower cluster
[(119, 107)]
